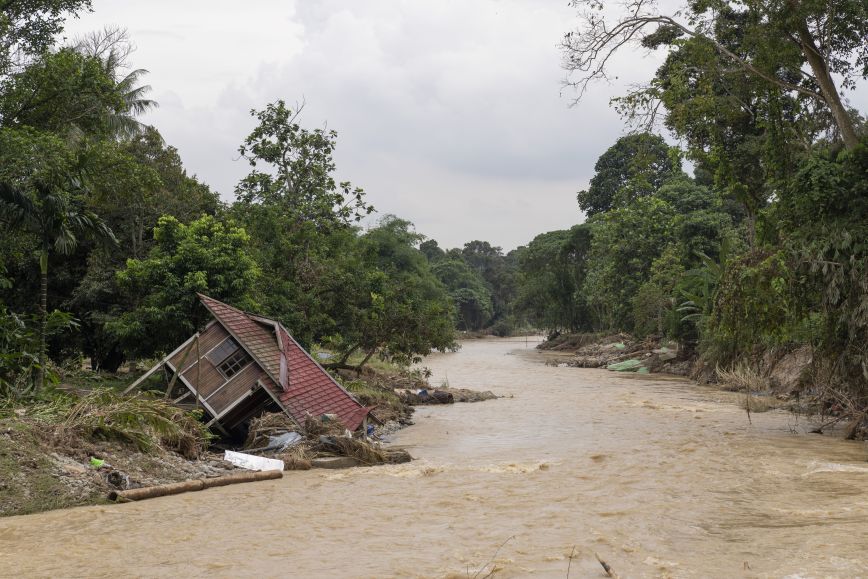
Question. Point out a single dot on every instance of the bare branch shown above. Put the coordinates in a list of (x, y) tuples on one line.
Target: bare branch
[(589, 49)]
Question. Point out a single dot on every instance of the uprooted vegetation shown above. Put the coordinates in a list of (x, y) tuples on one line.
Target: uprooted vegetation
[(147, 423), (393, 392), (66, 451), (74, 446)]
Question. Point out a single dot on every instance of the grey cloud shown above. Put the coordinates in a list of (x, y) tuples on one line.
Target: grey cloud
[(449, 113)]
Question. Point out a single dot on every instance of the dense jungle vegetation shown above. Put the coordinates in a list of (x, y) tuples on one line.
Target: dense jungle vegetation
[(750, 234)]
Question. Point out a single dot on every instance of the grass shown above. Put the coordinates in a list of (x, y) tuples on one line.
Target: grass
[(742, 378), (375, 363), (371, 395), (150, 424)]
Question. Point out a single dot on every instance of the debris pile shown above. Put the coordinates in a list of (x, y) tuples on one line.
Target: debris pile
[(320, 442), (621, 353), (424, 396)]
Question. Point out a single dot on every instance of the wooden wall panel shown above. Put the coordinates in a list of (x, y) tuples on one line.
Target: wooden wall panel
[(238, 386)]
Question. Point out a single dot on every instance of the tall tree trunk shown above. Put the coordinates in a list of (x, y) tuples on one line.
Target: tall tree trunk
[(43, 314), (827, 86)]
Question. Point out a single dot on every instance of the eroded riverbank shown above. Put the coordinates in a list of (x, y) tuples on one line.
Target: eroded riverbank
[(659, 476)]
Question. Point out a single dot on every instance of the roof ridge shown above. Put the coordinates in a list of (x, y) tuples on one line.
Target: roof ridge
[(241, 342)]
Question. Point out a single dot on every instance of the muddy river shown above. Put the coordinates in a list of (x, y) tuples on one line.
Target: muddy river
[(661, 477)]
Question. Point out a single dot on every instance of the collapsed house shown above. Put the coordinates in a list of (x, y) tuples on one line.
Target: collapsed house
[(241, 365)]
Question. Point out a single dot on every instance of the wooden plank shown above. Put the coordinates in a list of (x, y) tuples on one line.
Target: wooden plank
[(237, 401), (150, 372), (181, 364), (186, 383), (143, 377)]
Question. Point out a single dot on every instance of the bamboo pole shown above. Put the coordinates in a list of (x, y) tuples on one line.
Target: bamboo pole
[(192, 485)]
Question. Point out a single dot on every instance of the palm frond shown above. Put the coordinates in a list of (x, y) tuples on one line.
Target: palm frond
[(15, 206)]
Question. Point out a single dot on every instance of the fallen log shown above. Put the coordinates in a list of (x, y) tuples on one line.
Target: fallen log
[(191, 485), (241, 477)]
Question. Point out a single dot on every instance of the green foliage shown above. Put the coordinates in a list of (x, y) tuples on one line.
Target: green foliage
[(654, 304), (553, 268), (823, 223), (399, 310), (499, 273), (65, 93), (635, 166), (299, 176), (469, 292), (110, 48), (206, 256), (753, 305), (300, 221), (20, 346), (146, 422), (29, 27), (626, 242)]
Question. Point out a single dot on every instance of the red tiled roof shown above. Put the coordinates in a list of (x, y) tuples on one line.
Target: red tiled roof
[(311, 390), (258, 341), (305, 388)]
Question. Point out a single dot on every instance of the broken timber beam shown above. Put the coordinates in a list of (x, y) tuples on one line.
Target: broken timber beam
[(181, 365), (150, 372)]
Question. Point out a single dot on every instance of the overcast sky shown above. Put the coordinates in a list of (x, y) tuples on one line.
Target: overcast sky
[(450, 113)]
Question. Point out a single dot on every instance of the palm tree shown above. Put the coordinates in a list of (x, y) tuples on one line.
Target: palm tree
[(122, 122), (57, 219), (111, 46)]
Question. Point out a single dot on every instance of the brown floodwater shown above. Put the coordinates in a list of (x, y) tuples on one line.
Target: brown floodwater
[(659, 476)]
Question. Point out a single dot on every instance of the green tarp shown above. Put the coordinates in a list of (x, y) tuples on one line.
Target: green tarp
[(625, 366)]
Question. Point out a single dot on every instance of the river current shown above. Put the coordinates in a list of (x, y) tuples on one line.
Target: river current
[(659, 476)]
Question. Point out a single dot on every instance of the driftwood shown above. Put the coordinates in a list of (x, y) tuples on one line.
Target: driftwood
[(191, 485), (606, 567)]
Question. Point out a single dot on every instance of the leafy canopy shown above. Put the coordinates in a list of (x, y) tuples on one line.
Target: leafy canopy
[(206, 256)]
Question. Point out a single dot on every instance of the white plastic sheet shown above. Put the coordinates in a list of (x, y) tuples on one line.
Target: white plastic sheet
[(251, 462)]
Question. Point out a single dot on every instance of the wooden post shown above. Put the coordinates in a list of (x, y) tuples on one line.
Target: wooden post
[(162, 363), (144, 377), (198, 370), (180, 367)]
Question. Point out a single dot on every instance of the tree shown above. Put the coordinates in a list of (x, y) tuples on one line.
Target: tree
[(111, 48), (468, 290), (29, 27), (828, 36), (207, 256), (299, 179), (62, 92), (745, 135), (635, 166), (45, 201), (626, 241), (432, 250), (552, 270), (399, 310), (300, 219)]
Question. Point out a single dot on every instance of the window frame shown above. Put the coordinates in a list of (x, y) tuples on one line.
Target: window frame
[(234, 367), (230, 368)]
